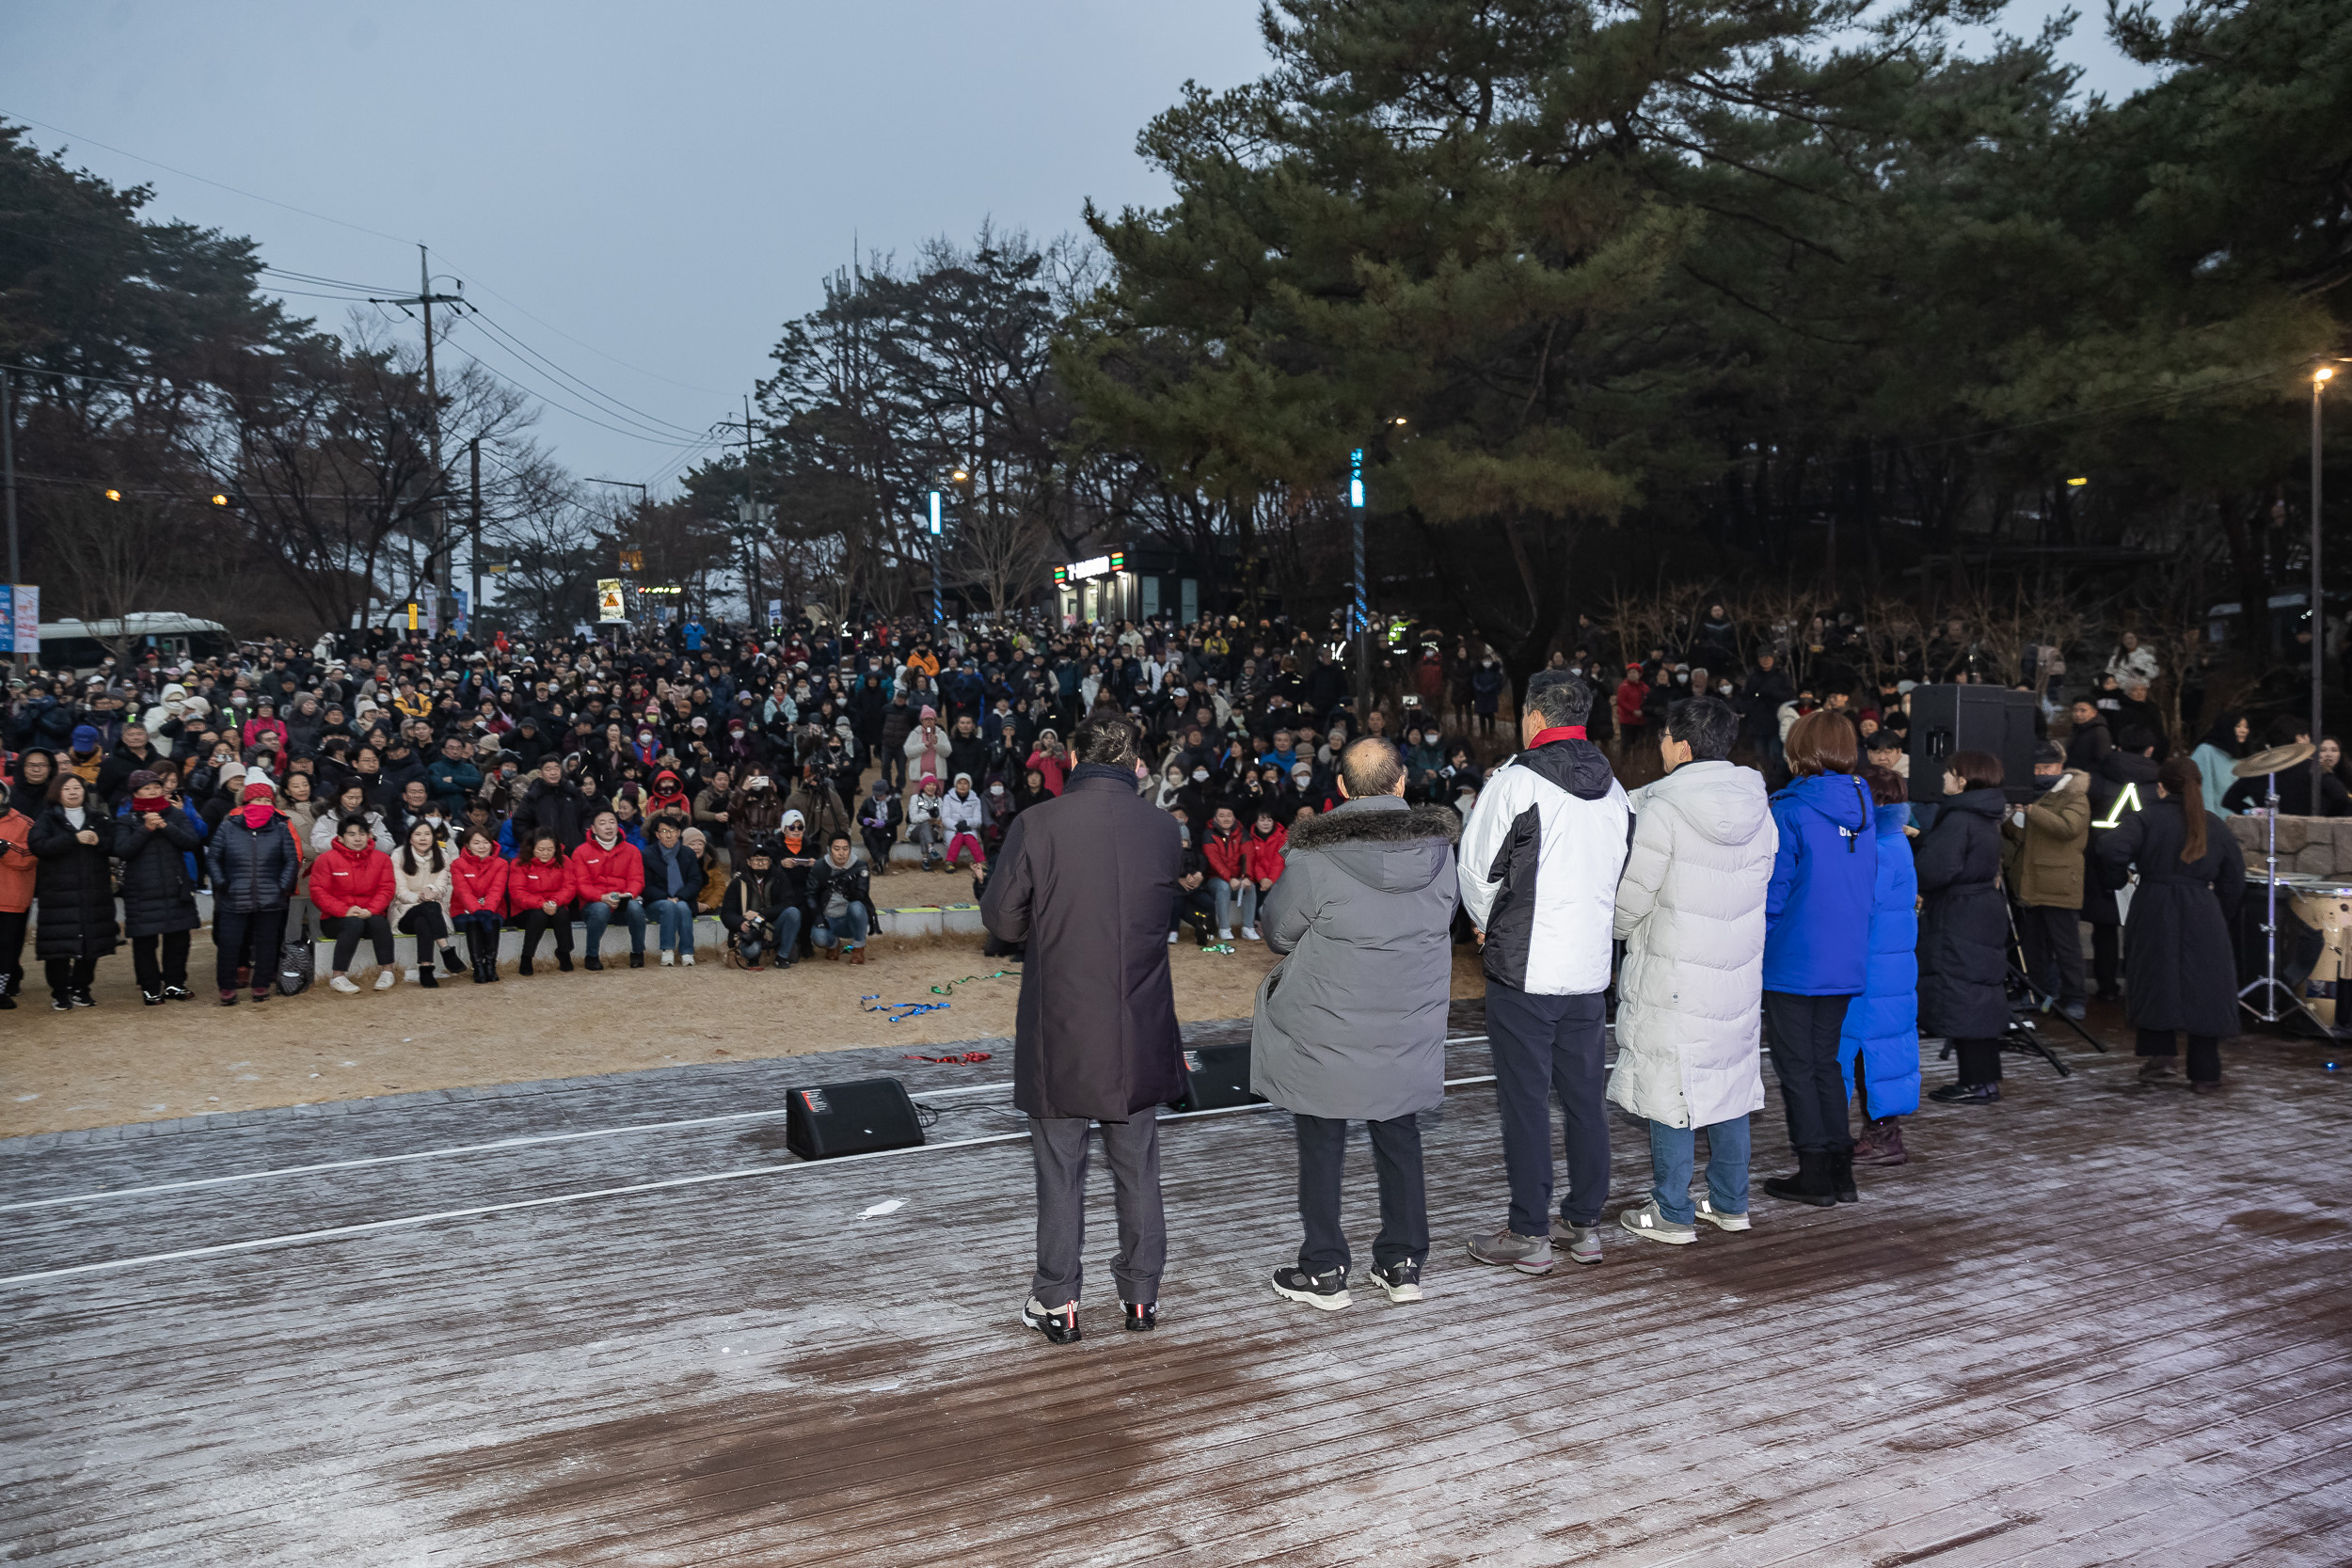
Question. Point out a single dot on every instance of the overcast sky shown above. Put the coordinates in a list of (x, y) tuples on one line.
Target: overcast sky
[(641, 194)]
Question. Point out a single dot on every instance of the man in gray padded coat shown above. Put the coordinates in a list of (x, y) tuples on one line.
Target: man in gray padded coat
[(1351, 1025)]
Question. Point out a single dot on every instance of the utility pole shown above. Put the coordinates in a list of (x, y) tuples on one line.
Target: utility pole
[(473, 604), (438, 565), (8, 465), (751, 522)]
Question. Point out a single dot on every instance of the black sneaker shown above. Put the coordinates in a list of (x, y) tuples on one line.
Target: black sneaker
[(152, 998), (178, 993), (1966, 1094), (1142, 1316), (1059, 1324), (84, 999), (61, 1003), (563, 963), (1327, 1290), (637, 960), (592, 964), (1400, 1281)]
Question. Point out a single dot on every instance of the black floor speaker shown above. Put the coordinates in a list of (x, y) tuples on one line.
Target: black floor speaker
[(834, 1119), (1217, 1076), (1950, 719)]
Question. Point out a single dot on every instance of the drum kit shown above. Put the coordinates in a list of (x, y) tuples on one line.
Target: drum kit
[(2322, 903)]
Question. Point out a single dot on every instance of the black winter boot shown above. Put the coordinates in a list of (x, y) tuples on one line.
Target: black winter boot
[(1841, 1177), (1809, 1185)]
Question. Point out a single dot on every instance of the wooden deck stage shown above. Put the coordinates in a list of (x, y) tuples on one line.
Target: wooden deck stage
[(2098, 1324)]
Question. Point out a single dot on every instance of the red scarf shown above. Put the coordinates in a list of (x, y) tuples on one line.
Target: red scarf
[(257, 815), (1558, 732)]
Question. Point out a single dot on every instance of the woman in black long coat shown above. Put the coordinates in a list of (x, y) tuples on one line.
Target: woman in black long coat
[(153, 839), (1964, 926), (2179, 975), (73, 892)]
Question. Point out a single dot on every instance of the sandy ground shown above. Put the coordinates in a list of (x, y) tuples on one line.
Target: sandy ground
[(122, 1062)]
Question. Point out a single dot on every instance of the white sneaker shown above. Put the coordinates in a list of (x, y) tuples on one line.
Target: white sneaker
[(668, 957), (1650, 1223), (342, 982), (686, 958), (386, 978), (1719, 1220), (1250, 933), (1224, 933)]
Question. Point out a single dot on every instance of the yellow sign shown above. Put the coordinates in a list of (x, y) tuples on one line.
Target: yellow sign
[(611, 603)]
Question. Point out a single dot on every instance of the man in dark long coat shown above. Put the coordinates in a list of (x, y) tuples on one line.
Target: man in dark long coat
[(1085, 882)]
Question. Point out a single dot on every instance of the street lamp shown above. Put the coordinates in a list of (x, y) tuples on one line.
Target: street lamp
[(2320, 378)]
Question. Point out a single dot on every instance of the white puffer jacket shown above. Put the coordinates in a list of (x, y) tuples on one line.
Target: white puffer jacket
[(426, 886), (1690, 911)]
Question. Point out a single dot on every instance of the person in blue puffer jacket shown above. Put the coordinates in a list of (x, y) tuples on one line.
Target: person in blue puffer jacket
[(1878, 1050), (1817, 948)]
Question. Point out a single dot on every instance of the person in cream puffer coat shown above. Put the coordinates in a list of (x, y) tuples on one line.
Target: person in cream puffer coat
[(1690, 911)]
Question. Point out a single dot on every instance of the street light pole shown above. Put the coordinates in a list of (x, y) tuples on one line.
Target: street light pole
[(1359, 614), (2319, 616), (939, 602)]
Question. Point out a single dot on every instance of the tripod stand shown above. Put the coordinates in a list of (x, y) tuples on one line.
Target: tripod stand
[(2278, 1003), (2043, 1002)]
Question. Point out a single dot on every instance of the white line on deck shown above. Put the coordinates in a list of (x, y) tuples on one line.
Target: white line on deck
[(493, 1147), (334, 1232)]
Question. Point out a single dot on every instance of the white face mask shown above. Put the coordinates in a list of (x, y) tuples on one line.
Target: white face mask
[(1200, 775), (996, 789)]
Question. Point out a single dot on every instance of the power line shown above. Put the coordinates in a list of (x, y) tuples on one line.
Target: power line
[(617, 405), (218, 184)]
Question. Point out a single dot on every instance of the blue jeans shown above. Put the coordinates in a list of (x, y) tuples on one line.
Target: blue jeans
[(676, 919), (1230, 895), (850, 930), (774, 942), (598, 914), (1670, 1153)]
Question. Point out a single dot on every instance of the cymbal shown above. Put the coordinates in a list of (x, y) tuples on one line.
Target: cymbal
[(2277, 760)]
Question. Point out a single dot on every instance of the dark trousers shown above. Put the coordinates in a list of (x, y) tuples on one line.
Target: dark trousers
[(1979, 1061), (536, 922), (2053, 940), (1802, 1032), (1544, 1045), (430, 926), (1057, 1146), (260, 933), (1404, 1205), (68, 975), (1193, 909), (877, 849), (12, 927), (347, 931), (2204, 1053), (2106, 958), (157, 969)]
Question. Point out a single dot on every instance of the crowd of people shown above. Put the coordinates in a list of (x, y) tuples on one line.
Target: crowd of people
[(369, 788), (1782, 886)]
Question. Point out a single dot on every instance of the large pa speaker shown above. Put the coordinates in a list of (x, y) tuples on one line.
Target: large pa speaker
[(1217, 1076), (1950, 719), (834, 1119)]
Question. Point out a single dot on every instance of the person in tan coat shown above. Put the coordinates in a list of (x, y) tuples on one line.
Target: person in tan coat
[(2041, 860)]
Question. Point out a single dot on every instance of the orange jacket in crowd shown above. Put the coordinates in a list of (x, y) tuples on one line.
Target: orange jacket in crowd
[(16, 863)]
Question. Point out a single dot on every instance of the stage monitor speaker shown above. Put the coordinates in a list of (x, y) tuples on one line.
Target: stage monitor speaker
[(1217, 1076), (1950, 719), (859, 1118)]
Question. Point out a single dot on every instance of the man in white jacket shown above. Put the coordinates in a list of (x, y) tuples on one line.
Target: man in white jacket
[(1538, 868), (1689, 995)]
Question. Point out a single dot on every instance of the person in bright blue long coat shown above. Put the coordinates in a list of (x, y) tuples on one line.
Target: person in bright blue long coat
[(1879, 1041)]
